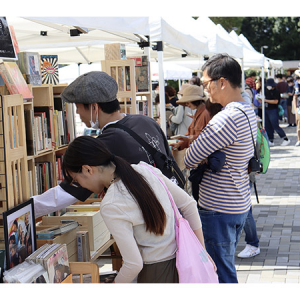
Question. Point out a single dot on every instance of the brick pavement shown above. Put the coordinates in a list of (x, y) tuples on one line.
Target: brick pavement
[(277, 219)]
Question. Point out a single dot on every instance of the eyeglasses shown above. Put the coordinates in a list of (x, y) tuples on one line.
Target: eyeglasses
[(75, 183), (205, 83)]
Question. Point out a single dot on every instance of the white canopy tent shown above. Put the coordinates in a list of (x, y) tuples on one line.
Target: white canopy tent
[(171, 71), (88, 47)]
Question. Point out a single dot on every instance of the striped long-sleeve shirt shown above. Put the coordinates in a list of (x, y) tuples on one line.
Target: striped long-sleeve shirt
[(227, 191)]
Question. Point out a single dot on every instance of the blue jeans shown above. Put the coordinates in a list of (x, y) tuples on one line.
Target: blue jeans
[(283, 103), (221, 235), (272, 123), (250, 230)]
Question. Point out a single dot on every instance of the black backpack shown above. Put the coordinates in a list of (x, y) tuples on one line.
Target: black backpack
[(165, 163)]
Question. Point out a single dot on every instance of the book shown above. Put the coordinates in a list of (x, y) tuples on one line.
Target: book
[(48, 110), (14, 39), (83, 246), (29, 64), (14, 80), (141, 73), (30, 132), (108, 277), (57, 264), (49, 233), (49, 69), (7, 49)]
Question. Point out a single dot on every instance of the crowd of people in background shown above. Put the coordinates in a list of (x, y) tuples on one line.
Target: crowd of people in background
[(220, 125)]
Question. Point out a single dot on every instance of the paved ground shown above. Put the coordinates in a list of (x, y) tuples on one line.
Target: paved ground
[(277, 217)]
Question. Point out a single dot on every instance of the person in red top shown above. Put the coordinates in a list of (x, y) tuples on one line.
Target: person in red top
[(251, 80)]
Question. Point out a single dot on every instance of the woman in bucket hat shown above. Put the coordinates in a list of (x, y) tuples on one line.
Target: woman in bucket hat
[(194, 98)]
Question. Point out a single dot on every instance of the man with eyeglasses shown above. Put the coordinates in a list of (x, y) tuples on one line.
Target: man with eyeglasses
[(224, 197)]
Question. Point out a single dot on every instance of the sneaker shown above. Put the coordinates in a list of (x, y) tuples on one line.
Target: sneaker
[(285, 143), (271, 144), (298, 143), (249, 251)]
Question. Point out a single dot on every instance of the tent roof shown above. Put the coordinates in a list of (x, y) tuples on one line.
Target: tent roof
[(88, 47)]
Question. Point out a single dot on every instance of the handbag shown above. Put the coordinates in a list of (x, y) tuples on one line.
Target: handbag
[(192, 262), (165, 163), (280, 110)]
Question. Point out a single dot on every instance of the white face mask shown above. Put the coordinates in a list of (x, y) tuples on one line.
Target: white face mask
[(96, 124), (269, 88)]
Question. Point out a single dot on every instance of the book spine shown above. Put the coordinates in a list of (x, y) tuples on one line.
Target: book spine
[(79, 247)]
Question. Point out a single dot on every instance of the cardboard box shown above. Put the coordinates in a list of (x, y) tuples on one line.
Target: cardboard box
[(114, 51), (68, 238), (83, 207), (88, 220)]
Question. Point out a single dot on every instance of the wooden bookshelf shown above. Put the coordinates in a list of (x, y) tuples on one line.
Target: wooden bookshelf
[(18, 168)]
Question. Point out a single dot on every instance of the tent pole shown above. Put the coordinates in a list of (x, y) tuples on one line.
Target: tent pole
[(150, 102), (161, 81), (243, 75)]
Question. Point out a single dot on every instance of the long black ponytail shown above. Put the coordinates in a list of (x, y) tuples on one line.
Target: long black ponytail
[(86, 150)]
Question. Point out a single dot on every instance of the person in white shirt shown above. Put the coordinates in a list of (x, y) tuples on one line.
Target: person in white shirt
[(136, 209)]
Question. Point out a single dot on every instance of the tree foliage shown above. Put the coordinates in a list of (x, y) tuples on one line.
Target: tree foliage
[(281, 35), (229, 23)]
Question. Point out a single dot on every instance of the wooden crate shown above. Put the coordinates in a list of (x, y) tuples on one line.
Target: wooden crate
[(68, 238), (114, 51), (88, 220)]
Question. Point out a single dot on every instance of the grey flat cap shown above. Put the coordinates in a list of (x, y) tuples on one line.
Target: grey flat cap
[(92, 87)]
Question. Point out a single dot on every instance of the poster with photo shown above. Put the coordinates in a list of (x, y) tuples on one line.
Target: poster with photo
[(19, 233), (7, 49)]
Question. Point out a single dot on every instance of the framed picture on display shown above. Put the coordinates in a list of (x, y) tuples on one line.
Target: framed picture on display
[(19, 233), (7, 49)]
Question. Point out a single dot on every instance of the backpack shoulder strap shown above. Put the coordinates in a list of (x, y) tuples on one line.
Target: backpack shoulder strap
[(141, 141)]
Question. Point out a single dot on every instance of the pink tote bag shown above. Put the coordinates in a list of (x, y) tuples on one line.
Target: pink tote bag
[(192, 262)]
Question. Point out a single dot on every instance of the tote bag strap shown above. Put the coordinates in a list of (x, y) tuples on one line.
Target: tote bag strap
[(174, 206)]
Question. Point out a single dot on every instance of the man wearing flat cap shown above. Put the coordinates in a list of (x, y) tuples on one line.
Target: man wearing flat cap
[(95, 97)]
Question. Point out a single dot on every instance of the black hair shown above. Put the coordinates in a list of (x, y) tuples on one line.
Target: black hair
[(167, 99), (86, 150), (170, 91), (195, 80), (106, 107), (223, 65), (278, 76), (197, 102), (253, 73), (213, 108)]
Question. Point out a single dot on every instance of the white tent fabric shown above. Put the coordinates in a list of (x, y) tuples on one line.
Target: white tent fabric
[(252, 59), (219, 41), (171, 71), (272, 63), (103, 29)]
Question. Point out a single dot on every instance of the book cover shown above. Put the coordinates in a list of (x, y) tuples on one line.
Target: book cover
[(14, 39), (30, 132), (83, 246), (49, 69), (141, 73), (29, 64), (14, 80), (7, 49), (48, 110), (57, 265)]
